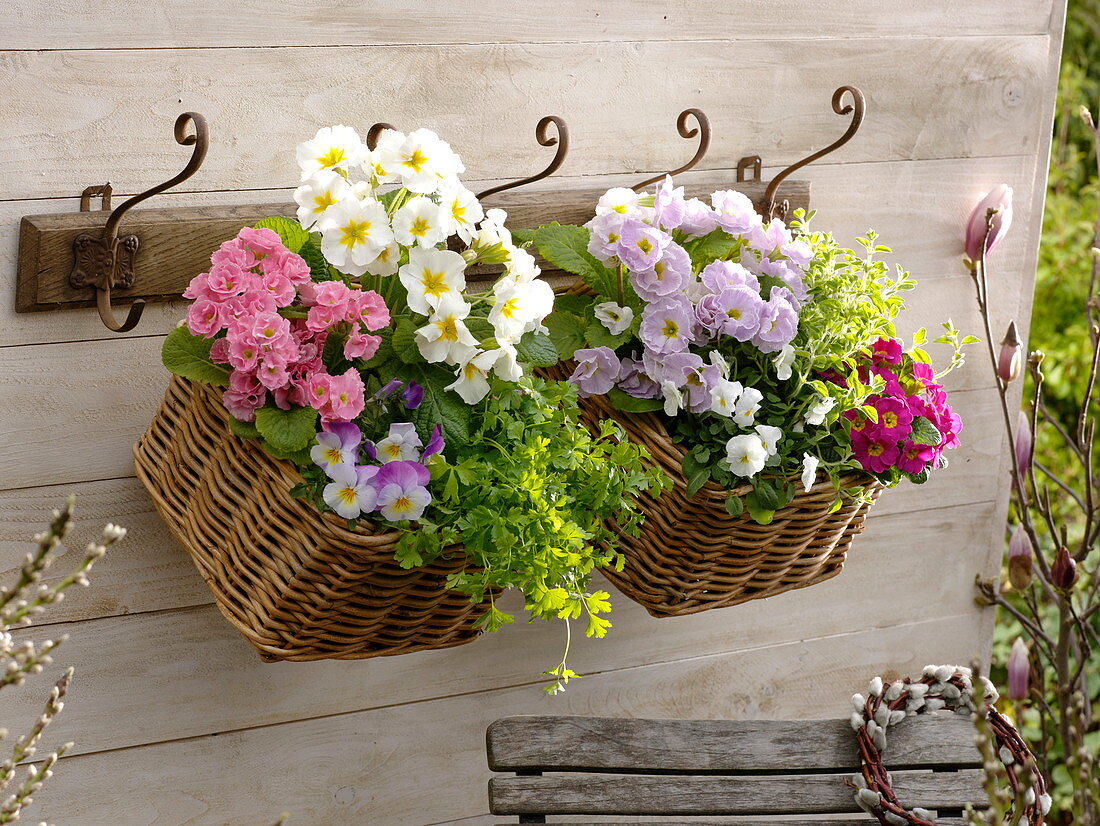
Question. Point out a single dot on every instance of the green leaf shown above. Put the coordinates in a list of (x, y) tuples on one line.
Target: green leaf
[(759, 510), (717, 244), (537, 349), (298, 457), (631, 404), (332, 355), (290, 231), (924, 432), (599, 336), (288, 431), (440, 405), (318, 267), (404, 342), (406, 553), (576, 304), (696, 474), (566, 247), (188, 356), (734, 506), (566, 332), (246, 430)]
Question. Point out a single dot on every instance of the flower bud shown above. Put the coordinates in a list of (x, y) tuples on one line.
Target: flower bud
[(1019, 670), (1011, 358), (997, 223), (1023, 443), (1064, 571), (1019, 559)]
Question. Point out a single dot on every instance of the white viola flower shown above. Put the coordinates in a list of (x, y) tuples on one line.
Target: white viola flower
[(616, 318), (746, 455), (518, 308), (386, 262), (431, 275), (618, 199), (317, 194), (333, 147), (809, 473), (332, 451), (724, 395), (353, 233), (386, 148), (816, 414), (770, 436), (783, 362), (445, 336), (472, 376), (674, 399), (744, 413), (402, 444), (348, 494), (461, 210), (420, 222)]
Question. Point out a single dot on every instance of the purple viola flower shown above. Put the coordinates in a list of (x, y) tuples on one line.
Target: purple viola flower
[(667, 324), (596, 372), (666, 277), (718, 275), (604, 234), (337, 445), (350, 493), (402, 494), (668, 204), (435, 444), (778, 322), (388, 389), (699, 219), (673, 367), (634, 381), (735, 212), (412, 395), (640, 245)]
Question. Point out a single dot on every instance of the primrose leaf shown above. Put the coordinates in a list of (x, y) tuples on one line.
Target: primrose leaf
[(188, 356)]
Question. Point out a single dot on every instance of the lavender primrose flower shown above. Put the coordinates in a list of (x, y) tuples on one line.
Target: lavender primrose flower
[(605, 231), (402, 494), (596, 372), (766, 238), (667, 276), (699, 381), (348, 493), (667, 325), (640, 245), (778, 322), (717, 275), (784, 270), (699, 219), (736, 312), (671, 368), (668, 204), (337, 445), (734, 212), (634, 381)]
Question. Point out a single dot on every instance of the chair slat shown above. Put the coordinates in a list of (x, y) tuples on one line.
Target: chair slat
[(595, 794), (718, 746)]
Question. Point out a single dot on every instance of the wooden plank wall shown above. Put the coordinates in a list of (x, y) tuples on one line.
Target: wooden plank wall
[(174, 718)]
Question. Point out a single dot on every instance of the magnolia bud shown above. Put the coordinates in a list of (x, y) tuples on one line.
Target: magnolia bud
[(1019, 670), (1064, 571), (1023, 443), (999, 201), (1019, 558), (1011, 359)]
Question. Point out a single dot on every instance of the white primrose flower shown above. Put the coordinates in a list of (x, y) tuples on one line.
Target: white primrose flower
[(431, 275), (520, 266), (317, 194), (387, 260), (420, 221), (618, 199), (445, 336), (353, 233), (724, 395), (400, 445), (519, 308), (816, 414), (333, 147), (461, 209), (744, 413), (507, 364), (809, 472), (770, 436), (421, 162), (617, 319), (674, 399), (386, 149), (746, 455), (783, 362), (472, 376)]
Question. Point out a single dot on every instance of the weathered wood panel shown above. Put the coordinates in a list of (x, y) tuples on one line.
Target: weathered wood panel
[(108, 114), (420, 763)]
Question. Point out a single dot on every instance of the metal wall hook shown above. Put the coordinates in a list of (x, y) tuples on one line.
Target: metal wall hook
[(753, 162), (857, 108), (375, 132), (107, 262), (542, 135), (702, 130)]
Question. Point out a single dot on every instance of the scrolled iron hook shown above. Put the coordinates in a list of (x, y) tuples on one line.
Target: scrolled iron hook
[(857, 109), (375, 132), (543, 136), (687, 132)]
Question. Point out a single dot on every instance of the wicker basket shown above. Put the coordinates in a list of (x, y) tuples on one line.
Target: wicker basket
[(692, 555), (295, 582)]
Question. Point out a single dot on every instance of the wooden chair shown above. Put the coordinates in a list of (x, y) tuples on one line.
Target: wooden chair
[(755, 770)]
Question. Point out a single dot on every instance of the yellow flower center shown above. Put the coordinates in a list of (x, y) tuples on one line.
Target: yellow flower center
[(694, 380), (354, 233), (334, 156), (734, 313), (393, 451), (458, 211), (416, 160), (348, 495), (419, 227), (890, 419), (875, 449), (333, 455), (448, 329), (509, 307), (619, 208), (323, 202), (859, 424), (434, 284), (645, 245), (670, 329), (469, 371)]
